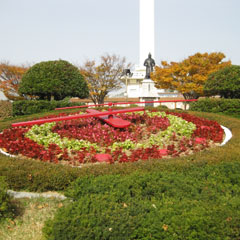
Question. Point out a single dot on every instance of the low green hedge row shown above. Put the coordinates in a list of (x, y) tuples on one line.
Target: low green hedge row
[(36, 176), (6, 207), (173, 205), (217, 105), (5, 109), (26, 107)]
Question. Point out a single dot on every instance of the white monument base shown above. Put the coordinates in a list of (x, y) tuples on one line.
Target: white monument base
[(148, 89), (149, 92)]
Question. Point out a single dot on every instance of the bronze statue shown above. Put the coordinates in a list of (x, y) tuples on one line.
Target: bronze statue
[(149, 63)]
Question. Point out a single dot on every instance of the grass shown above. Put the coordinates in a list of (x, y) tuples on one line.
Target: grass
[(32, 213), (28, 224)]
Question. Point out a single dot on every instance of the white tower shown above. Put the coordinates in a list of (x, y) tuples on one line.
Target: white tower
[(147, 35)]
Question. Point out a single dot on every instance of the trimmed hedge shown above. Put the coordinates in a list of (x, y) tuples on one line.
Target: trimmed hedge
[(217, 105), (190, 204), (26, 107), (36, 176), (5, 109)]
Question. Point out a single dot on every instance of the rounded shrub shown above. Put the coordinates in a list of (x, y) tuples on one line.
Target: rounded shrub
[(53, 80), (225, 82)]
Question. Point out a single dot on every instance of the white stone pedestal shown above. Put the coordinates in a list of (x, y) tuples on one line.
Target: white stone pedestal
[(149, 92), (148, 89)]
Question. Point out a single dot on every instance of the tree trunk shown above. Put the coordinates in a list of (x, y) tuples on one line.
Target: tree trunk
[(190, 95)]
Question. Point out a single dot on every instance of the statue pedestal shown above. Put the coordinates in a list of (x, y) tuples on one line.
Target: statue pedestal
[(149, 92), (148, 89)]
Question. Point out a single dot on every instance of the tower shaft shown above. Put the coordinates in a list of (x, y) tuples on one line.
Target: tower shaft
[(147, 35)]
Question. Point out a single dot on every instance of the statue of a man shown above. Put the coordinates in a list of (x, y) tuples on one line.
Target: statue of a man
[(149, 63)]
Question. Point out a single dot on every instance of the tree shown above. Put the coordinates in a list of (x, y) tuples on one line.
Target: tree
[(54, 80), (10, 77), (225, 82), (188, 77), (104, 77)]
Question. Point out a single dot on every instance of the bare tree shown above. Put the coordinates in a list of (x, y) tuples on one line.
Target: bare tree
[(104, 77)]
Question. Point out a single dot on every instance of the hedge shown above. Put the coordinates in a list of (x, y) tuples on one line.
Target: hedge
[(35, 176), (217, 105), (26, 107), (190, 204)]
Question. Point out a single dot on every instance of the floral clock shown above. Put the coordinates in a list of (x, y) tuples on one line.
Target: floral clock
[(151, 135)]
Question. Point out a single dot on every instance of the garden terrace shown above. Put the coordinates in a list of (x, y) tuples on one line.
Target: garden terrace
[(188, 197), (59, 176)]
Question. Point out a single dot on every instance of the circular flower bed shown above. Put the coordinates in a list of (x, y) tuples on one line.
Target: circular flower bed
[(151, 135)]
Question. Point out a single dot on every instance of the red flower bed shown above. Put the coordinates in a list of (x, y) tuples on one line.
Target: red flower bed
[(13, 140), (94, 131), (205, 128)]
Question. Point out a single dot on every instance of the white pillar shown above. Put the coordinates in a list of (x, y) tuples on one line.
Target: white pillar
[(146, 29)]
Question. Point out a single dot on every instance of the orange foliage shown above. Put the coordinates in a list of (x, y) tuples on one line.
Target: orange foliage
[(188, 77), (10, 77)]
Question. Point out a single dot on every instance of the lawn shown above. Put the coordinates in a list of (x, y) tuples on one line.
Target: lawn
[(32, 213)]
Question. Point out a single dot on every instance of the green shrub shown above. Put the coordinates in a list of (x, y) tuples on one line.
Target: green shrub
[(6, 209), (133, 105), (53, 79), (217, 105), (26, 107), (5, 109), (32, 175), (225, 82), (189, 204), (162, 107)]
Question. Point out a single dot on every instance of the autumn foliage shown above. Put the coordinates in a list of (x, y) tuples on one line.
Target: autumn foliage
[(103, 77), (10, 77), (188, 76)]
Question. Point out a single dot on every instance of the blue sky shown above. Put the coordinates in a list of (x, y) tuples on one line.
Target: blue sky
[(77, 30)]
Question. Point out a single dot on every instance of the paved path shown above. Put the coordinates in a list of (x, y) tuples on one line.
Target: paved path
[(15, 194)]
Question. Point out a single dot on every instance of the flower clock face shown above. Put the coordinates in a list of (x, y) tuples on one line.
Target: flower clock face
[(151, 135)]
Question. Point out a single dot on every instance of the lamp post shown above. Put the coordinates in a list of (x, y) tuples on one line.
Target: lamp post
[(127, 74)]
